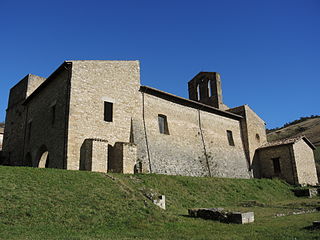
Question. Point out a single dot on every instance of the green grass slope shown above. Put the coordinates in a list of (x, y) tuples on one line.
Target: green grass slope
[(60, 204)]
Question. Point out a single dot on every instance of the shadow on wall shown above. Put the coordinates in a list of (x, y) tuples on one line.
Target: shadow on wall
[(255, 167), (2, 158), (86, 155), (28, 160), (113, 155), (316, 153), (99, 156)]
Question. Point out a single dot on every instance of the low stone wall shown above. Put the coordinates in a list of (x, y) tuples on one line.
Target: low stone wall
[(122, 157), (306, 192), (94, 155), (219, 214)]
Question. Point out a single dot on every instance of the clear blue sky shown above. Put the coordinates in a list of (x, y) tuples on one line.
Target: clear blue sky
[(267, 52)]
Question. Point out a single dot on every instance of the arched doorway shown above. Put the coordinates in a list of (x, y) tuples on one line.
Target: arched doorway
[(28, 160), (43, 157)]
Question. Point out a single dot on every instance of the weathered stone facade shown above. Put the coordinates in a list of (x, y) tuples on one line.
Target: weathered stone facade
[(290, 159), (95, 115), (306, 169), (197, 143), (15, 128), (253, 133)]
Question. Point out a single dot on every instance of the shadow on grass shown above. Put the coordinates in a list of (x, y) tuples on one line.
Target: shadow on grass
[(185, 215), (312, 228)]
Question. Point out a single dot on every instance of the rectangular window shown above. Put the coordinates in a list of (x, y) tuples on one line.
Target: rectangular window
[(163, 124), (276, 165), (108, 108), (53, 114), (230, 138)]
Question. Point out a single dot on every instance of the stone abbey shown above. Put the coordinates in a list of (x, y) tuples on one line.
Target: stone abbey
[(95, 115)]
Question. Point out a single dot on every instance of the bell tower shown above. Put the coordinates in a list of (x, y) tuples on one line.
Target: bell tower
[(205, 87)]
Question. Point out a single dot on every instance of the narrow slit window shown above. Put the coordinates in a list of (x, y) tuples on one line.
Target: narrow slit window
[(163, 124), (108, 111), (230, 138), (258, 137), (29, 128), (53, 114), (209, 88), (198, 92), (276, 165)]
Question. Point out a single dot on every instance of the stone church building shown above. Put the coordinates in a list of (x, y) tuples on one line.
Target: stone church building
[(95, 115)]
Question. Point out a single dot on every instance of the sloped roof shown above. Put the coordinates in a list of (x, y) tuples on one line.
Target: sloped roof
[(287, 141), (46, 82), (187, 102)]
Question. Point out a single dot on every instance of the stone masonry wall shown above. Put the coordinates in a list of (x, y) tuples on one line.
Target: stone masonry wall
[(93, 83), (47, 135), (15, 123), (287, 165), (123, 158), (129, 159), (181, 152), (256, 131), (34, 82), (305, 164), (224, 160), (16, 118), (99, 156), (253, 134), (197, 143)]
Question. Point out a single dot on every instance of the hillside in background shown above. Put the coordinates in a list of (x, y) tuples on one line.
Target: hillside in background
[(310, 127), (60, 204)]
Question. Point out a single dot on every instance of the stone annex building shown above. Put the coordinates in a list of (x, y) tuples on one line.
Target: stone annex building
[(95, 115)]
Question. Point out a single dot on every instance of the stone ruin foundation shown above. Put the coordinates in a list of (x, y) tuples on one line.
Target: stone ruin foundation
[(218, 214)]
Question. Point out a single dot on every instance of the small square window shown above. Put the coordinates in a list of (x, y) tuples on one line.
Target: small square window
[(163, 124), (230, 138), (108, 110)]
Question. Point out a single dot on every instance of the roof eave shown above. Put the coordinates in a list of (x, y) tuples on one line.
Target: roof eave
[(309, 143), (46, 82), (188, 102)]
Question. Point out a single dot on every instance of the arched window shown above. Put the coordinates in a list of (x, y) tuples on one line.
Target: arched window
[(198, 92), (44, 160), (209, 88), (43, 157)]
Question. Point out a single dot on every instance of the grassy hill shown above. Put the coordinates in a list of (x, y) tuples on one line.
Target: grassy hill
[(60, 204), (310, 127)]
